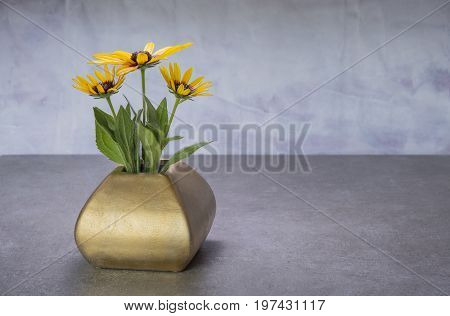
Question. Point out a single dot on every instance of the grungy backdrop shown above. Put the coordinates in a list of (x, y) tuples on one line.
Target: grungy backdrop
[(262, 56)]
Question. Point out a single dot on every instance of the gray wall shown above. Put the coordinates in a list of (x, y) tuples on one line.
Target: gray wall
[(261, 55)]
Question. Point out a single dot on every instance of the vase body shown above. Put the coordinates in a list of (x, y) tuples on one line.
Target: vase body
[(146, 221)]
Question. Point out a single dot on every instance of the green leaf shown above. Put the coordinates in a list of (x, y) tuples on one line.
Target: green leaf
[(107, 145), (137, 144), (163, 115), (159, 134), (124, 128), (151, 148), (152, 118), (166, 140), (137, 116), (124, 132), (169, 139), (183, 153), (105, 120), (128, 105)]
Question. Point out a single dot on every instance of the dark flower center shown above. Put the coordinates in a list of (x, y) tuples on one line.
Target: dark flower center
[(185, 86), (105, 85)]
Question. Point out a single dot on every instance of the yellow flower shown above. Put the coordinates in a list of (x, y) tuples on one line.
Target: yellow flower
[(106, 83), (129, 62), (180, 85)]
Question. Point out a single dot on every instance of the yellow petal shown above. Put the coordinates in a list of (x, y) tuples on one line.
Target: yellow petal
[(108, 75), (165, 74), (92, 80), (115, 58), (99, 75), (124, 71), (161, 50), (198, 91), (111, 62), (149, 47), (82, 89), (155, 59), (121, 68), (187, 75), (202, 88), (172, 85), (172, 76), (180, 89), (176, 72), (75, 81), (207, 84), (82, 80), (92, 91), (172, 50), (119, 82), (102, 58), (100, 89), (111, 90), (121, 55), (196, 81), (186, 91)]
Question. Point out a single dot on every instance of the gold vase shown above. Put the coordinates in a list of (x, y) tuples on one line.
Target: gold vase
[(146, 221)]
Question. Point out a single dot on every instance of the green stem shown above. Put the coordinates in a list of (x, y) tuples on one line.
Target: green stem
[(108, 98), (144, 114), (144, 107), (175, 106), (137, 159)]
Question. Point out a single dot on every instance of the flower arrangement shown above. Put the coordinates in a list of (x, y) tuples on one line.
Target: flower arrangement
[(136, 139)]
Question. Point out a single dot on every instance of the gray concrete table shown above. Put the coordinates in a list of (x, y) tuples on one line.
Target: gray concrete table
[(355, 225)]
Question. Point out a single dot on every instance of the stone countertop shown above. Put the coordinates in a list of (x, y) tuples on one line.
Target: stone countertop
[(353, 225)]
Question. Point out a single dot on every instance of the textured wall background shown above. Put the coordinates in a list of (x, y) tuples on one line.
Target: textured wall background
[(261, 55)]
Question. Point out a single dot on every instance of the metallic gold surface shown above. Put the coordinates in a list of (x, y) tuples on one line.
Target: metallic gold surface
[(146, 221)]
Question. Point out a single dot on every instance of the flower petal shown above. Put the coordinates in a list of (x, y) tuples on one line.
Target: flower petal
[(82, 89), (115, 58), (121, 54), (92, 91), (108, 75), (161, 50), (172, 74), (203, 87), (162, 53), (176, 72), (99, 76), (125, 70), (180, 89), (100, 89), (149, 47), (165, 74), (82, 81), (92, 79), (196, 81), (119, 82), (187, 75)]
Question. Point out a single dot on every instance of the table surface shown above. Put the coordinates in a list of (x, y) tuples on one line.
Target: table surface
[(353, 225)]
